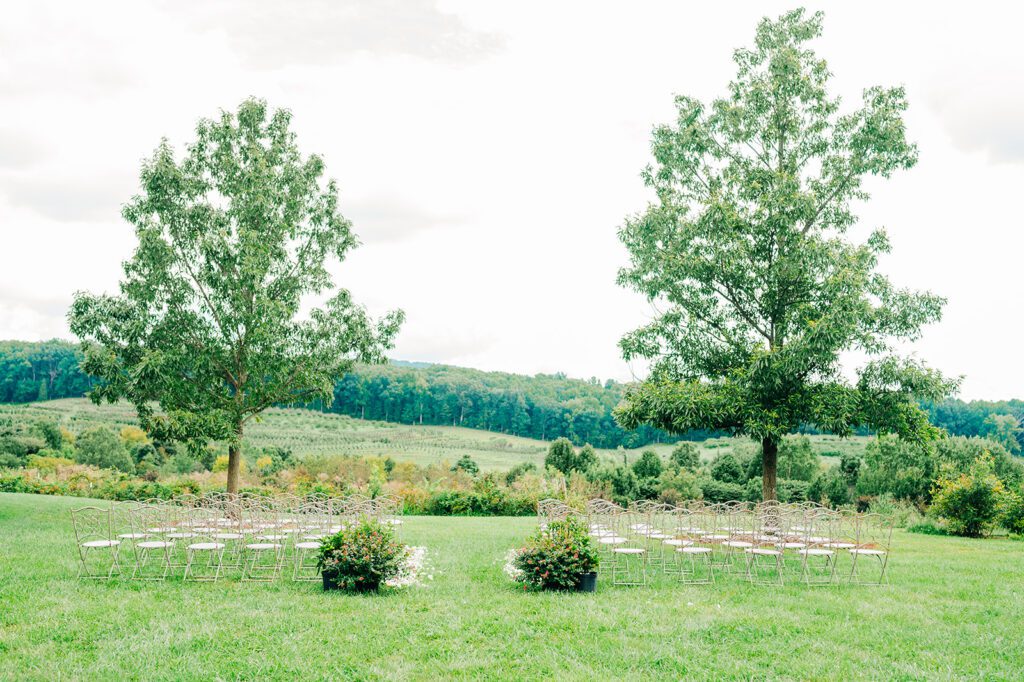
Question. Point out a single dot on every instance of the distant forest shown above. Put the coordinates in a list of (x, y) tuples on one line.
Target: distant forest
[(545, 406)]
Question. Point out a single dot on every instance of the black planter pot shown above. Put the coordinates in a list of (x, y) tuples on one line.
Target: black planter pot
[(588, 582)]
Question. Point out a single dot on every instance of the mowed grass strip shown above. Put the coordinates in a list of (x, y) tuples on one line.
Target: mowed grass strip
[(953, 611)]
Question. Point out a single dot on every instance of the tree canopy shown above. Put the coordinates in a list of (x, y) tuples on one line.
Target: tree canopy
[(745, 254), (213, 321)]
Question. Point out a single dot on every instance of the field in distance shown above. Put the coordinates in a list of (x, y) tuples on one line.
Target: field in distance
[(306, 433)]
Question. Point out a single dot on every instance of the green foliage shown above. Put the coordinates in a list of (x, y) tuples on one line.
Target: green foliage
[(101, 447), (466, 464), (557, 557), (22, 363), (231, 240), (721, 491), (586, 458), (831, 487), (727, 469), (648, 466), (676, 485), (363, 556), (1011, 511), (744, 253), (518, 471), (561, 456), (968, 503), (1005, 429), (50, 432), (797, 460), (685, 456)]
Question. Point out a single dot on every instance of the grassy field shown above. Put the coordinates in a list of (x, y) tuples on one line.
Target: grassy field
[(953, 611), (306, 432)]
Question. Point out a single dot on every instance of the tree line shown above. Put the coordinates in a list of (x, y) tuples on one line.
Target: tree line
[(545, 406)]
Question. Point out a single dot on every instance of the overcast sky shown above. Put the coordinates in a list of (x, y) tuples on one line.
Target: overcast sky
[(488, 152)]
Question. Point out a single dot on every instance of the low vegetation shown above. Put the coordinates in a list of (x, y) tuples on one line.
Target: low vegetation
[(471, 622)]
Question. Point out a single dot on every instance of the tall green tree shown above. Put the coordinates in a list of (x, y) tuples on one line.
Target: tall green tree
[(745, 255), (213, 321)]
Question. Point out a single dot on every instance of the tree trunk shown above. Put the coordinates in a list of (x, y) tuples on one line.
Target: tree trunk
[(234, 461), (770, 462)]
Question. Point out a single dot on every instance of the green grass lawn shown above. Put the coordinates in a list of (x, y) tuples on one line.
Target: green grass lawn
[(307, 432), (954, 610)]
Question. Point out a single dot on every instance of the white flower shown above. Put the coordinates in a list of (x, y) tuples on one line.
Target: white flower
[(412, 569), (511, 570)]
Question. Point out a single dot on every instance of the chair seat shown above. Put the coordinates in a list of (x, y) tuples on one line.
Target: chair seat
[(260, 546), (628, 550), (307, 545), (206, 546), (760, 551), (154, 544), (133, 536), (659, 536), (816, 552), (313, 537), (101, 543), (228, 536), (271, 538), (181, 536), (716, 537), (694, 550), (678, 543), (793, 545), (867, 550), (612, 540), (738, 544), (841, 545), (160, 529)]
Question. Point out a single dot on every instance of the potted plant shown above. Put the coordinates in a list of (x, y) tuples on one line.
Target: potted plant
[(559, 557), (362, 557)]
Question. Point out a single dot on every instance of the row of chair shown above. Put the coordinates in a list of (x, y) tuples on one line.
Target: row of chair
[(765, 543), (203, 538)]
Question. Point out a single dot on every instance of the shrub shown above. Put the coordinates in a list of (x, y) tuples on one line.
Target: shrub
[(648, 466), (586, 458), (796, 460), (969, 504), (363, 556), (830, 487), (101, 447), (1011, 512), (467, 464), (561, 456), (685, 456), (516, 472), (726, 469), (927, 527), (676, 485), (720, 491), (557, 557), (51, 433)]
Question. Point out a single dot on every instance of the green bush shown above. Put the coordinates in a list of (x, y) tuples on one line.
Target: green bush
[(726, 469), (685, 456), (720, 491), (1011, 512), (648, 466), (101, 447), (968, 503), (363, 556), (557, 557)]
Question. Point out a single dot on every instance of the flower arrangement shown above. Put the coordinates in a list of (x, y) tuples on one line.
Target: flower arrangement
[(555, 558), (366, 555)]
